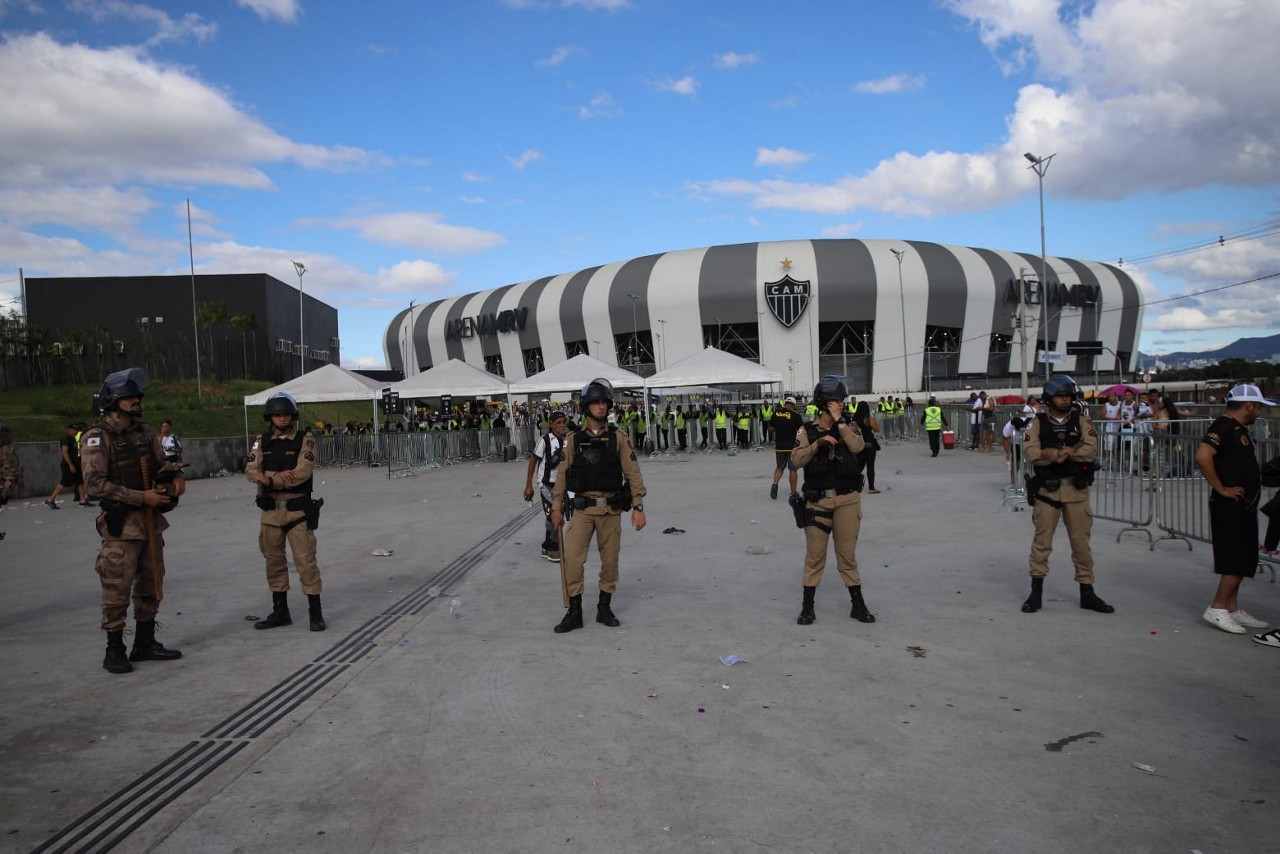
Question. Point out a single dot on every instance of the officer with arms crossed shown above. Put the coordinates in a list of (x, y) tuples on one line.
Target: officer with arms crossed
[(600, 469), (280, 464), (122, 461), (829, 503), (1062, 444)]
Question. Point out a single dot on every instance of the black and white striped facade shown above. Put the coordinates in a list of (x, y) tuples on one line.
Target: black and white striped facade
[(955, 306)]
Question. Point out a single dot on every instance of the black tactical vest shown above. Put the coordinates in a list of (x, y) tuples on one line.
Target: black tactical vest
[(596, 467), (833, 468), (125, 452), (1066, 435), (280, 454)]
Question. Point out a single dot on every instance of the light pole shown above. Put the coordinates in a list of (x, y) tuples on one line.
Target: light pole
[(302, 345), (902, 300), (635, 335), (1041, 166), (719, 335), (791, 369), (408, 338), (663, 339)]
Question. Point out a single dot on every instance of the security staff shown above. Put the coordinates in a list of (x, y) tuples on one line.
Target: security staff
[(280, 464), (933, 421), (600, 472), (122, 460), (682, 435), (1062, 444), (722, 428), (827, 450), (766, 420)]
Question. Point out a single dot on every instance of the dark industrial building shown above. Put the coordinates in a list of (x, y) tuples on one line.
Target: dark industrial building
[(248, 326)]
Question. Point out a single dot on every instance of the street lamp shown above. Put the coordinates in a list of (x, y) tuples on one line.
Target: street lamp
[(302, 344), (635, 342), (719, 336), (663, 339), (408, 338), (1041, 166), (791, 369), (902, 300)]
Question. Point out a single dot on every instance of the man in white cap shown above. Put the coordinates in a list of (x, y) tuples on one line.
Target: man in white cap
[(786, 423), (1229, 464)]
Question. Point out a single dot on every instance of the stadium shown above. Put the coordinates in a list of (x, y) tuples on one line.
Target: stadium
[(890, 316)]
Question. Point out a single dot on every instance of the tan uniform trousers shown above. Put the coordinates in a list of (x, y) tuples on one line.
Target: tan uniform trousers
[(1077, 515), (302, 542), (606, 524), (844, 524), (125, 569)]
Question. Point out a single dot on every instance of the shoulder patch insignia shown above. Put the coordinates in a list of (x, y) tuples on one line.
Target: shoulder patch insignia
[(633, 456), (309, 456), (256, 443), (93, 441)]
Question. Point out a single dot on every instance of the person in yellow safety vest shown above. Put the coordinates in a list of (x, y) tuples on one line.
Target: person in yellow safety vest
[(766, 420), (704, 422), (722, 428), (933, 421), (743, 427), (883, 406), (681, 436), (810, 411), (664, 429)]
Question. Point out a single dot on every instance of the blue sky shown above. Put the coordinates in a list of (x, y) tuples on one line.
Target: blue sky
[(415, 149)]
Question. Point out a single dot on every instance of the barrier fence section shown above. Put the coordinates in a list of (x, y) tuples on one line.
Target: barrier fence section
[(409, 453)]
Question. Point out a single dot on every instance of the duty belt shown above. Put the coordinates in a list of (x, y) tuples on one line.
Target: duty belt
[(588, 501), (832, 493)]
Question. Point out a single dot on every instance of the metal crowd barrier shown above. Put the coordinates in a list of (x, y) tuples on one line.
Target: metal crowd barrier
[(412, 452)]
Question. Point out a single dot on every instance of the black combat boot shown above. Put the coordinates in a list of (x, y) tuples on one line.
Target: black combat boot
[(147, 648), (604, 614), (314, 612), (859, 612), (572, 618), (806, 609), (1033, 601), (1090, 601), (279, 615), (116, 660)]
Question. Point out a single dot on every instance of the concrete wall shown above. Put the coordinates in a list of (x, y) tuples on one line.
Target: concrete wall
[(40, 473)]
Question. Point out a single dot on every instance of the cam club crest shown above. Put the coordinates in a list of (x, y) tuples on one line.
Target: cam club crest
[(787, 299)]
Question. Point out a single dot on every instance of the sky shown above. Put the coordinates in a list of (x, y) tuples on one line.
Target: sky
[(418, 149)]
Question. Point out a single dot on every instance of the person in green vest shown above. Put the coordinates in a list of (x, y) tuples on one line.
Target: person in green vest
[(682, 437), (898, 407), (704, 424), (766, 420), (810, 411), (640, 419), (722, 428), (742, 424), (664, 429), (933, 420)]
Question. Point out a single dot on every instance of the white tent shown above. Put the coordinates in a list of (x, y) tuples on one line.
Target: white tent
[(455, 378), (323, 385), (712, 367), (573, 374)]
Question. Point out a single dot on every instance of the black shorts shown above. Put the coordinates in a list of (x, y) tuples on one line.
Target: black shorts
[(69, 477), (782, 460), (1234, 528)]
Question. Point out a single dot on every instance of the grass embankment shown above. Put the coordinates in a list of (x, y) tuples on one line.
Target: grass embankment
[(42, 413)]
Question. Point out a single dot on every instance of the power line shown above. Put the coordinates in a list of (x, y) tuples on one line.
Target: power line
[(1252, 232)]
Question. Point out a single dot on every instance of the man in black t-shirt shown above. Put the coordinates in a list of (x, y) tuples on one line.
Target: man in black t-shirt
[(1227, 460), (69, 468), (785, 423)]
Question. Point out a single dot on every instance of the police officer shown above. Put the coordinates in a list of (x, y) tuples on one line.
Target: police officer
[(280, 464), (827, 449), (600, 470), (122, 459), (1062, 444)]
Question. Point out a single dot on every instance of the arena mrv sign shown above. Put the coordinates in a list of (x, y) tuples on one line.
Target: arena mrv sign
[(511, 320)]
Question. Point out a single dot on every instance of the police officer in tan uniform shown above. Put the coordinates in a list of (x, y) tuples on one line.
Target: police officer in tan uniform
[(600, 469), (280, 464), (122, 460), (1062, 444), (830, 500)]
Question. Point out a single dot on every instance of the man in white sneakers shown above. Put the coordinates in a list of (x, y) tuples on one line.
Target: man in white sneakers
[(1227, 460)]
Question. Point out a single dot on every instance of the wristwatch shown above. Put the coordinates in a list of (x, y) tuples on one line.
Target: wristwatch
[(639, 507)]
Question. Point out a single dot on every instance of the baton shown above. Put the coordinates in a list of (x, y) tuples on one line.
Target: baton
[(153, 548)]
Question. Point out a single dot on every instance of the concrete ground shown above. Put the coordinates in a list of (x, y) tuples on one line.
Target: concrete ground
[(440, 713)]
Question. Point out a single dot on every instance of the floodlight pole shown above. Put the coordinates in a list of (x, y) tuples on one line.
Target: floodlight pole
[(635, 335), (195, 325), (1041, 166), (902, 301), (302, 344)]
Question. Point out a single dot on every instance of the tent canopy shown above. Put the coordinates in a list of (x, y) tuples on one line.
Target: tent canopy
[(712, 366), (573, 374), (323, 385), (455, 378)]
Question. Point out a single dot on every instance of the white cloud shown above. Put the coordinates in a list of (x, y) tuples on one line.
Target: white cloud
[(167, 29), (736, 60), (287, 11), (105, 209), (1194, 94), (415, 276), (360, 363), (1210, 296), (601, 106), (845, 229), (606, 5), (781, 157), (422, 231), (529, 155), (473, 178), (558, 57), (472, 200), (891, 85), (684, 86), (72, 114)]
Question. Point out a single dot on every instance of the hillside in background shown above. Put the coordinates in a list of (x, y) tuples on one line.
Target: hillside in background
[(1252, 349)]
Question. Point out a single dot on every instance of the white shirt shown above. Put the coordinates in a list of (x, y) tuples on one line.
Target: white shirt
[(540, 451)]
